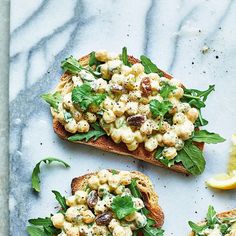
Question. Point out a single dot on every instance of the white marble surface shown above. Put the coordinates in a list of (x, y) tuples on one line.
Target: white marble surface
[(4, 49), (172, 33)]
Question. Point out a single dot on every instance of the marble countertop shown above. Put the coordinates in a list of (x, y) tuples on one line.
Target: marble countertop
[(172, 34)]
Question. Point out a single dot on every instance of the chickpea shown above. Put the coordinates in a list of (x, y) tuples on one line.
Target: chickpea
[(135, 95), (108, 103), (137, 69), (109, 116), (185, 130), (81, 196), (169, 153), (144, 110), (105, 71), (140, 220), (132, 146), (71, 126), (154, 76), (138, 136), (114, 181), (138, 203), (119, 231), (125, 70), (114, 66), (192, 114), (103, 189), (179, 118), (88, 216), (165, 126), (183, 107), (113, 224), (73, 231), (179, 144), (159, 138), (83, 126), (76, 114), (116, 135), (72, 214), (93, 108), (71, 201), (100, 230), (125, 178), (58, 220), (151, 144), (131, 217), (101, 55), (100, 207), (103, 176), (119, 190), (129, 84), (117, 79), (124, 98), (100, 85), (90, 117), (120, 121), (155, 85), (178, 93), (169, 138), (119, 108), (94, 182), (127, 135), (146, 128), (67, 101)]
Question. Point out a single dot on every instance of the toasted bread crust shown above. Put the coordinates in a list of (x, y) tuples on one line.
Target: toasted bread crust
[(105, 143), (224, 214), (145, 186)]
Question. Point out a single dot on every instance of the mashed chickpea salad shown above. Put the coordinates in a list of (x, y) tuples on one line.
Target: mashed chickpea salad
[(135, 104), (109, 203)]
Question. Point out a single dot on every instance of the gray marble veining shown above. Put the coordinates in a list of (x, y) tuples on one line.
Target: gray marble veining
[(172, 33)]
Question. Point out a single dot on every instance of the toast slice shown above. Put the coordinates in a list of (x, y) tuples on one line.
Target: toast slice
[(105, 143), (226, 214), (145, 186)]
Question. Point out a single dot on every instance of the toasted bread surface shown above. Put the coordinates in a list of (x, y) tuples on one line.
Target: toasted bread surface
[(105, 143), (145, 186), (224, 214)]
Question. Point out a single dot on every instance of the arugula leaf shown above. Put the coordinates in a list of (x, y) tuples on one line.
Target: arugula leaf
[(207, 137), (196, 98), (61, 200), (197, 228), (95, 134), (84, 96), (151, 230), (35, 231), (93, 60), (52, 99), (211, 217), (191, 158), (71, 65), (224, 228), (35, 174), (124, 57), (150, 67), (166, 90), (159, 108), (123, 206), (41, 221), (133, 188)]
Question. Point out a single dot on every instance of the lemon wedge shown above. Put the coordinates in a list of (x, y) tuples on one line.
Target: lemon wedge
[(223, 181), (232, 158)]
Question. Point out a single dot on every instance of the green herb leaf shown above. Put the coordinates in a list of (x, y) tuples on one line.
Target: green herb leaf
[(84, 96), (95, 134), (124, 57), (67, 116), (61, 200), (211, 217), (134, 189), (35, 174), (207, 137), (35, 231), (93, 60), (41, 221), (150, 67), (123, 206), (191, 158), (159, 108), (71, 65), (151, 230), (114, 172), (52, 99), (196, 228), (166, 90)]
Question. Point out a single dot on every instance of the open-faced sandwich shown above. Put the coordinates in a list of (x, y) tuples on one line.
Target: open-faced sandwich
[(105, 203), (222, 224), (128, 106)]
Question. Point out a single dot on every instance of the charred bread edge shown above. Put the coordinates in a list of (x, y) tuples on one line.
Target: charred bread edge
[(105, 143)]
